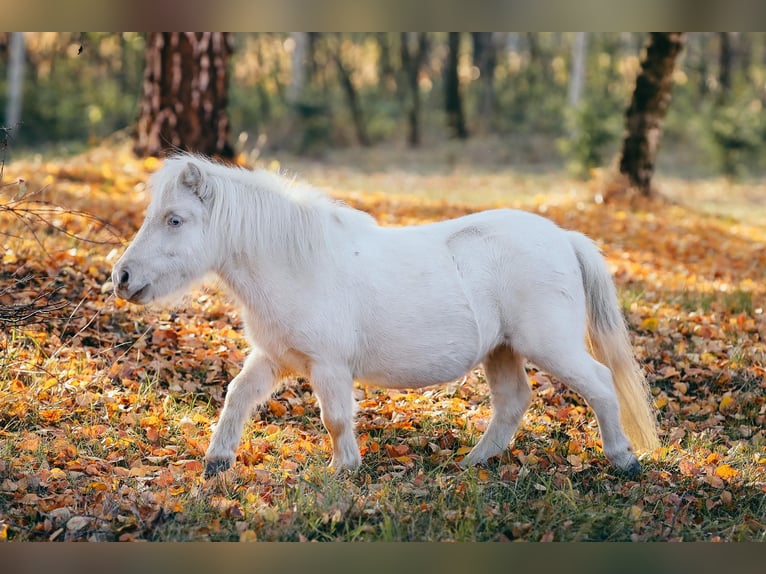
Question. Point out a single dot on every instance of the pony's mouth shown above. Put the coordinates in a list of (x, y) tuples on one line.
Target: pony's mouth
[(138, 296)]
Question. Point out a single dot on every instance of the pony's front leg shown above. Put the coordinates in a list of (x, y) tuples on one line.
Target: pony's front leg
[(333, 387), (251, 386)]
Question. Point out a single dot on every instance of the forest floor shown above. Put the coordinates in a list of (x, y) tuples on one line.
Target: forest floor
[(106, 408)]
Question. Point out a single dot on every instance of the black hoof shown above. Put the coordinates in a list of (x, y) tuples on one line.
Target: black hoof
[(213, 467), (633, 471)]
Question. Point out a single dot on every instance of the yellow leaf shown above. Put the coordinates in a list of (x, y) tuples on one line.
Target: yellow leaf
[(727, 401), (726, 472), (57, 473), (635, 512), (463, 450), (483, 474), (649, 324), (151, 164), (3, 532), (248, 536)]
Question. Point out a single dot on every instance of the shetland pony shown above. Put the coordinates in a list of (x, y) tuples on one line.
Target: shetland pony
[(328, 294)]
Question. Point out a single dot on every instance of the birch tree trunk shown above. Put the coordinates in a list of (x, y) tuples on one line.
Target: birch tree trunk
[(577, 79), (15, 79)]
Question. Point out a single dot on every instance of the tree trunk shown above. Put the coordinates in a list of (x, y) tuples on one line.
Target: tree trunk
[(298, 62), (352, 96), (725, 61), (15, 79), (643, 118), (413, 48), (577, 79), (185, 94), (386, 74), (485, 59), (453, 101)]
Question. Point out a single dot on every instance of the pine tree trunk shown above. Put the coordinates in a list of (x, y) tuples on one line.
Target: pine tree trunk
[(185, 94), (453, 101), (643, 118)]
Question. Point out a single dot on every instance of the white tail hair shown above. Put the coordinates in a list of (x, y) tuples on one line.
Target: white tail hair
[(610, 345)]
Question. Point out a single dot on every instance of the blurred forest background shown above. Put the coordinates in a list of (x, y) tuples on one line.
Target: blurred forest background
[(545, 100)]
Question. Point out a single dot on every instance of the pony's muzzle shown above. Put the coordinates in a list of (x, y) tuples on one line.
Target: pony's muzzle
[(121, 278)]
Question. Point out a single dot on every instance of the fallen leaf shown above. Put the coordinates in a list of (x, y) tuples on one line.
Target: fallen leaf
[(649, 324), (77, 523), (726, 472)]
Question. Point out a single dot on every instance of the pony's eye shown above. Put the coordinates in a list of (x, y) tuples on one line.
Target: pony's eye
[(174, 221)]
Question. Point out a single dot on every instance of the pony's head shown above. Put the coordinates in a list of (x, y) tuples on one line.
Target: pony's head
[(173, 247)]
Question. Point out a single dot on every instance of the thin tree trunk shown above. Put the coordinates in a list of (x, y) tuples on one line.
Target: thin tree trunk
[(386, 75), (577, 79), (298, 62), (453, 101), (725, 61), (185, 94), (352, 97), (413, 49), (15, 79), (485, 58), (643, 118)]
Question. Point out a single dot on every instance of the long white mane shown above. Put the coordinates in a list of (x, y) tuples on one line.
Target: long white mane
[(281, 216)]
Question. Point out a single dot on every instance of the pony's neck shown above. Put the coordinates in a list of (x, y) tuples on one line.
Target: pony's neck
[(270, 235), (263, 219)]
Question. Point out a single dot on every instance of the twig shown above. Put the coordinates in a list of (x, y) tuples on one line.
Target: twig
[(39, 310)]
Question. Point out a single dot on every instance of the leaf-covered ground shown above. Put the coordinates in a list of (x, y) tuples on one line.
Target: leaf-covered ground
[(106, 408)]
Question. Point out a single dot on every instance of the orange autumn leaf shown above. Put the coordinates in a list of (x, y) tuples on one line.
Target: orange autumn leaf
[(277, 408), (726, 472), (397, 450)]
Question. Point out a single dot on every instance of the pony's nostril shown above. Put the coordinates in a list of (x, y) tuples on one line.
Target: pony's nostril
[(124, 277)]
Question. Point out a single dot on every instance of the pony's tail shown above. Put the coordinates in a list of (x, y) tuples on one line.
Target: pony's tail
[(610, 345)]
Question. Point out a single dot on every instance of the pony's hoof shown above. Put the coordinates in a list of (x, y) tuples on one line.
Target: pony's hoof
[(633, 470), (213, 467)]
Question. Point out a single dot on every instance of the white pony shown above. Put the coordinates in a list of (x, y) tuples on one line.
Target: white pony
[(328, 294)]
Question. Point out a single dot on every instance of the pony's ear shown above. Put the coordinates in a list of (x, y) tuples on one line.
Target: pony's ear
[(192, 178)]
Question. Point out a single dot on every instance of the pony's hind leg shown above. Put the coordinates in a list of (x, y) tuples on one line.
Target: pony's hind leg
[(593, 381), (510, 392), (250, 387)]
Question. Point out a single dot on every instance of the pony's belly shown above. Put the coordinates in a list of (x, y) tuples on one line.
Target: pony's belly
[(412, 375)]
